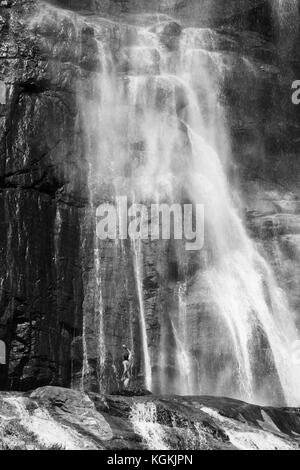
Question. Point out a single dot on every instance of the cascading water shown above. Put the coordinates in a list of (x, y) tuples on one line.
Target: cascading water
[(101, 334), (136, 246), (162, 137), (144, 419), (182, 340)]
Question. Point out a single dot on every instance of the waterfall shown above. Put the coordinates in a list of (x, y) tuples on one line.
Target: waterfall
[(101, 333), (136, 246), (85, 363), (240, 283), (162, 136), (182, 342), (148, 422)]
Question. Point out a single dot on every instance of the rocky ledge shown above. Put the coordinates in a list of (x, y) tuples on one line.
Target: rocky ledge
[(64, 419)]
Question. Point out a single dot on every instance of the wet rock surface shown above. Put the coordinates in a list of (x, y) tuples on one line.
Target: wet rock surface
[(273, 219), (43, 198), (63, 419)]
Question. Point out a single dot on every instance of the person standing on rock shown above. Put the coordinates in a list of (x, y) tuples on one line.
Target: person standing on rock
[(127, 366)]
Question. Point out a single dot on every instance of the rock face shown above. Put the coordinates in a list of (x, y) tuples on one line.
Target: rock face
[(48, 287), (43, 197), (56, 418)]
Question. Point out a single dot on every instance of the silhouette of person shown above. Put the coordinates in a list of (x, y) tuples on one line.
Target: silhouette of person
[(127, 365)]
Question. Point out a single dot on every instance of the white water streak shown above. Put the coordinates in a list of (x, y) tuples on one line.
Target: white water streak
[(136, 246), (144, 419)]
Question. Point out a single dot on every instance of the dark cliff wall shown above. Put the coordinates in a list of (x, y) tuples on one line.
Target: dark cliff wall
[(47, 270), (43, 195)]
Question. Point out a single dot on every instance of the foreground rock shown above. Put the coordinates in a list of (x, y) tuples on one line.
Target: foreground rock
[(63, 419)]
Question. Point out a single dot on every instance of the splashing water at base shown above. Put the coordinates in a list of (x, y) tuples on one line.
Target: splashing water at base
[(250, 439), (144, 419)]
